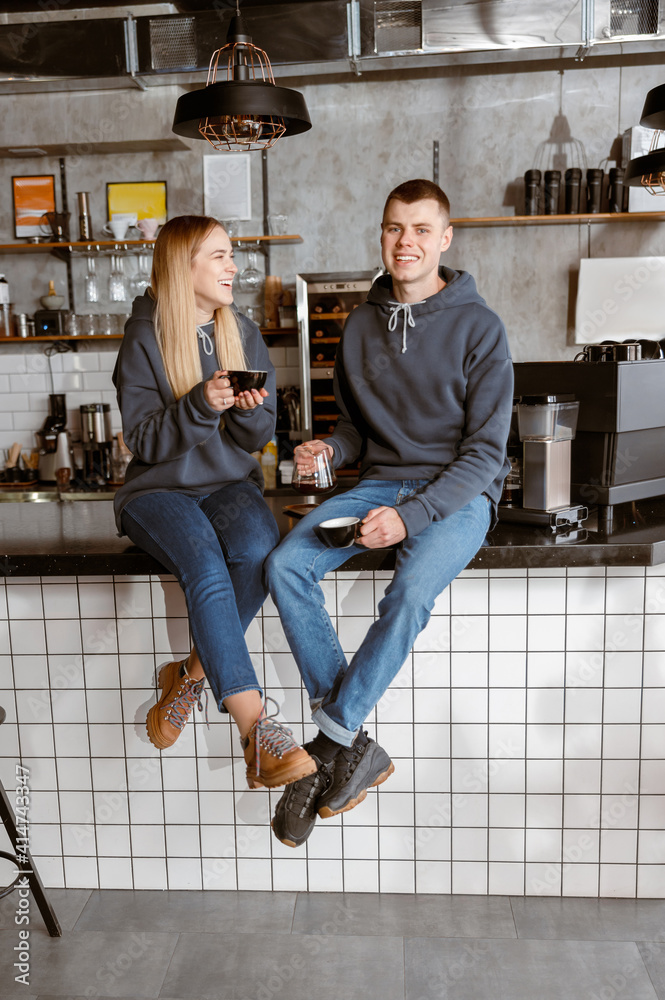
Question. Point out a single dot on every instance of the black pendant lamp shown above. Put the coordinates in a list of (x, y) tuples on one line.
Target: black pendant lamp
[(649, 171), (246, 110)]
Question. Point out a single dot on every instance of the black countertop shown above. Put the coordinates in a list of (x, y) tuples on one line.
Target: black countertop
[(79, 538)]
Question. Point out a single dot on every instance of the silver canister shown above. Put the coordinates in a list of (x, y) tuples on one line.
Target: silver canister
[(22, 321), (85, 225)]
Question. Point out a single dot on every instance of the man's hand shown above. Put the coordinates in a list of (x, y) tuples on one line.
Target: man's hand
[(382, 527), (303, 454)]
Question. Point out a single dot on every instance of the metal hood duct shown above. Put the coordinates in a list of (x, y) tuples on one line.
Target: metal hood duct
[(322, 37)]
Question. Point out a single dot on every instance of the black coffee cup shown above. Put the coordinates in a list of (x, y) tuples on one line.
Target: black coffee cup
[(243, 381), (339, 532)]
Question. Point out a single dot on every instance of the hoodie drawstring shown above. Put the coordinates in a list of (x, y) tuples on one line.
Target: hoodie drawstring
[(405, 309), (204, 337)]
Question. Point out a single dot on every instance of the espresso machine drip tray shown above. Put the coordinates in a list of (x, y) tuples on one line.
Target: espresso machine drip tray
[(565, 517)]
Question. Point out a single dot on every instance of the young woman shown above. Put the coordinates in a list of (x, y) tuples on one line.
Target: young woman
[(192, 495)]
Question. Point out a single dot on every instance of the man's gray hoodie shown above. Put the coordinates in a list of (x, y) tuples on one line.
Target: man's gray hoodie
[(425, 392), (184, 445)]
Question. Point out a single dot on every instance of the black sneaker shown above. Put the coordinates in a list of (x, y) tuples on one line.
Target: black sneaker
[(357, 768), (295, 813)]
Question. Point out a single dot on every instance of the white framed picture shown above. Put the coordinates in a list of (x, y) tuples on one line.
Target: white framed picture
[(227, 186)]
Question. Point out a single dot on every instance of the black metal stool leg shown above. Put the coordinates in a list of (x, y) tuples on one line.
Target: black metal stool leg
[(28, 868)]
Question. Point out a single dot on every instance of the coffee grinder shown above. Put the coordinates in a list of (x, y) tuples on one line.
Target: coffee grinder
[(546, 426), (97, 438)]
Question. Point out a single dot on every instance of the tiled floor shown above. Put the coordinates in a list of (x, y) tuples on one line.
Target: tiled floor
[(326, 946)]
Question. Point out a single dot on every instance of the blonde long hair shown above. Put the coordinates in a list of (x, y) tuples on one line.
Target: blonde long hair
[(175, 316)]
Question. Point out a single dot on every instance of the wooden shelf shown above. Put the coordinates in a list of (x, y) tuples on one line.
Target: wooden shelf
[(109, 246), (79, 338), (557, 220), (105, 336), (324, 316)]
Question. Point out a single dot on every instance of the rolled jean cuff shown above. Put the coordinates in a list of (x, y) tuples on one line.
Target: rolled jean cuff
[(332, 729), (237, 690)]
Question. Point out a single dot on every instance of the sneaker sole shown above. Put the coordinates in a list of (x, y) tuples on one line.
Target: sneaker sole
[(325, 812), (284, 777), (152, 720), (288, 843)]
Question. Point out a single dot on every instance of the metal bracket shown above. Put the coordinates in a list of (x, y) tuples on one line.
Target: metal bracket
[(353, 32), (132, 52), (588, 27)]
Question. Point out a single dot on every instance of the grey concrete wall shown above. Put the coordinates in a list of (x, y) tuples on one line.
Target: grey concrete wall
[(368, 135)]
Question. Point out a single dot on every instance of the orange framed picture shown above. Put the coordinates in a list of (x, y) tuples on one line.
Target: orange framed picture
[(33, 197)]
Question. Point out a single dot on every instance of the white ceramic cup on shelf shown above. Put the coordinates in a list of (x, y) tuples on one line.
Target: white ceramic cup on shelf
[(119, 223)]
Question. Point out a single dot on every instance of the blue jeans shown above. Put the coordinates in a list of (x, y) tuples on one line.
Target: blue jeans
[(343, 694), (215, 546)]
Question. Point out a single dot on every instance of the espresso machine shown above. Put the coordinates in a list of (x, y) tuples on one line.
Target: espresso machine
[(617, 454), (97, 440)]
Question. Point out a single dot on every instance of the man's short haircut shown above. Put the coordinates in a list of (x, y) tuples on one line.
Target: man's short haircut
[(417, 190)]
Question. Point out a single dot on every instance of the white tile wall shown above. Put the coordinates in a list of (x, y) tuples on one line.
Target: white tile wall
[(527, 730), (26, 379)]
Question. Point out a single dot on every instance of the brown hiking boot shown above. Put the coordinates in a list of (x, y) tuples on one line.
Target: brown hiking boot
[(166, 720), (272, 755)]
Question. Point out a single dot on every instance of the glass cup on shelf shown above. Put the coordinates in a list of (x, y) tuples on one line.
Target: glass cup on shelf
[(278, 224), (72, 325), (232, 227), (255, 313), (250, 278), (91, 284), (106, 324), (88, 324)]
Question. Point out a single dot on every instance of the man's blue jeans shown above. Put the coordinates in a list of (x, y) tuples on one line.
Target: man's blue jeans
[(343, 694), (215, 546)]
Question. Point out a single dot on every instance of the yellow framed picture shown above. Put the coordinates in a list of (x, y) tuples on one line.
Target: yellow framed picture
[(147, 199)]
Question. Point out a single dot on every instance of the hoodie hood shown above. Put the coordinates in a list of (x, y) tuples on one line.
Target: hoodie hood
[(460, 290)]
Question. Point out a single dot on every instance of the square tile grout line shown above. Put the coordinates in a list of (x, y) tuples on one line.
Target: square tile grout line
[(639, 754)]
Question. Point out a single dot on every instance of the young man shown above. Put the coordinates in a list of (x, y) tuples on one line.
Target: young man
[(424, 384)]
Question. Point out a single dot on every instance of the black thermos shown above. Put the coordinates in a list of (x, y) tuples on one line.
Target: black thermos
[(616, 189), (552, 188), (573, 182), (594, 189), (532, 192)]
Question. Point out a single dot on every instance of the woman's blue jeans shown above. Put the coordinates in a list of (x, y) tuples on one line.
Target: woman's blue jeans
[(215, 546), (343, 694)]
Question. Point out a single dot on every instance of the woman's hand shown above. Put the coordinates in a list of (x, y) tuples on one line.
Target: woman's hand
[(250, 399), (218, 392)]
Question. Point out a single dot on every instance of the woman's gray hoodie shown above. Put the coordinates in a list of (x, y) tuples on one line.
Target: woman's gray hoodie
[(425, 392), (183, 445)]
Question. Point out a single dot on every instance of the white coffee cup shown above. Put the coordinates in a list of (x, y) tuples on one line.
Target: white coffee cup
[(119, 223)]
